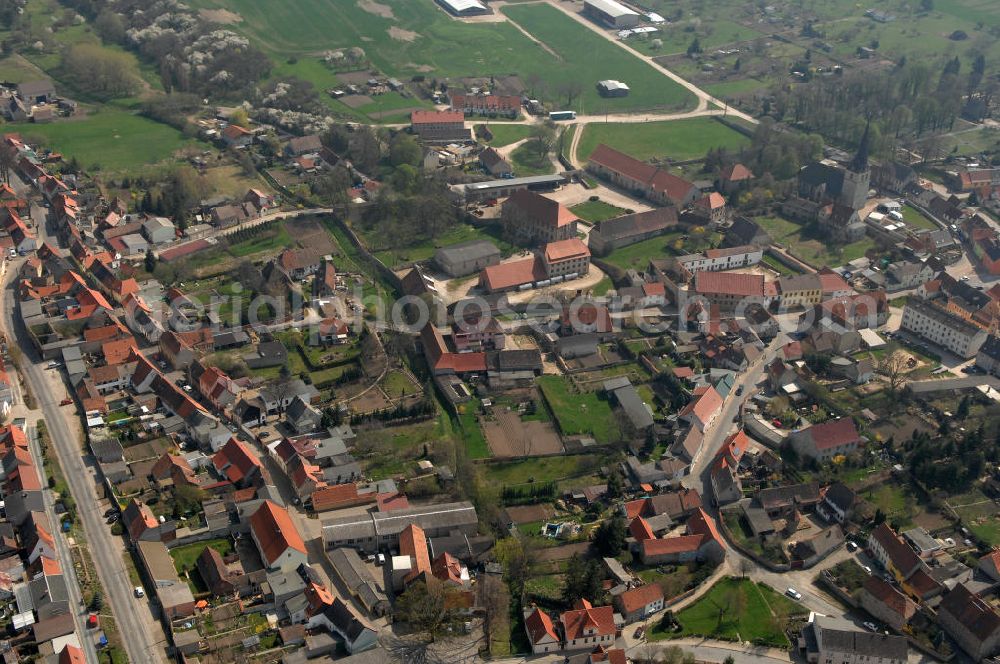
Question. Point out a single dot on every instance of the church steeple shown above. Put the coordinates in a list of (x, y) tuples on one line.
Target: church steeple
[(860, 162)]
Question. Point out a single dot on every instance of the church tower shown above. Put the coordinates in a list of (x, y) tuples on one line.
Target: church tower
[(857, 176)]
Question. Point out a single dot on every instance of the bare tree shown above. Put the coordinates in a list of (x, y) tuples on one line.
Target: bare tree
[(894, 367), (571, 90), (745, 566)]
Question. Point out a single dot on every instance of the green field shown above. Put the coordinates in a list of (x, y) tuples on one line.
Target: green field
[(798, 239), (111, 139), (637, 255), (185, 556), (547, 469), (914, 219), (586, 58), (749, 612), (403, 38), (596, 211), (678, 140), (507, 133), (526, 160), (579, 413)]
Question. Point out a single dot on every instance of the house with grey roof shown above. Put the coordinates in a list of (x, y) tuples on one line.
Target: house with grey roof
[(827, 639), (356, 577), (638, 414), (466, 258), (302, 416)]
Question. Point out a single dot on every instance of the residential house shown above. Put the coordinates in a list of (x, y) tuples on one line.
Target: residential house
[(886, 604), (586, 626), (494, 164), (731, 290), (703, 408), (837, 504), (734, 177), (829, 640), (278, 541), (640, 603), (801, 290), (942, 327), (827, 440), (541, 632), (237, 137), (971, 621), (302, 416), (238, 464)]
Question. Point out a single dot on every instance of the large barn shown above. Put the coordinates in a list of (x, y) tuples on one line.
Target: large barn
[(464, 7), (610, 13)]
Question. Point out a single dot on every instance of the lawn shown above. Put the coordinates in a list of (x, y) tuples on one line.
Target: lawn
[(896, 502), (472, 433), (637, 255), (804, 244), (507, 133), (396, 383), (403, 39), (547, 469), (423, 250), (678, 140), (736, 609), (111, 139), (526, 160), (185, 556), (585, 414), (596, 211), (914, 219), (585, 58)]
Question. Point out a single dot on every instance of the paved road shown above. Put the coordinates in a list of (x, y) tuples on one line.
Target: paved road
[(131, 615), (63, 552)]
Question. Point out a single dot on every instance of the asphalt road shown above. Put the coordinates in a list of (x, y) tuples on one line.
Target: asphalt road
[(80, 472), (65, 560)]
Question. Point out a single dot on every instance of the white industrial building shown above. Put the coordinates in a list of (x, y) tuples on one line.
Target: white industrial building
[(610, 13)]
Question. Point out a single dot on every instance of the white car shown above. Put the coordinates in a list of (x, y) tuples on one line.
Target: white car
[(870, 626), (794, 594), (139, 592)]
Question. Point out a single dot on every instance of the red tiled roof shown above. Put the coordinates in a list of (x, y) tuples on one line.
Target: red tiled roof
[(513, 274), (566, 249), (736, 173), (729, 283), (668, 545), (637, 598), (119, 351), (584, 616), (834, 433), (539, 625), (486, 102), (434, 117), (235, 460), (712, 201), (703, 404), (447, 568), (413, 543), (275, 532), (71, 655), (546, 211), (639, 529), (894, 600), (701, 523)]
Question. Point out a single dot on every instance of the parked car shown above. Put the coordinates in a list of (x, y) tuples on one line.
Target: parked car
[(870, 626), (639, 631), (794, 594), (113, 519), (65, 402), (110, 511), (852, 546), (139, 592)]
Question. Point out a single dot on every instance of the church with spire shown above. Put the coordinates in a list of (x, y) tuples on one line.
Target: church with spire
[(831, 194)]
